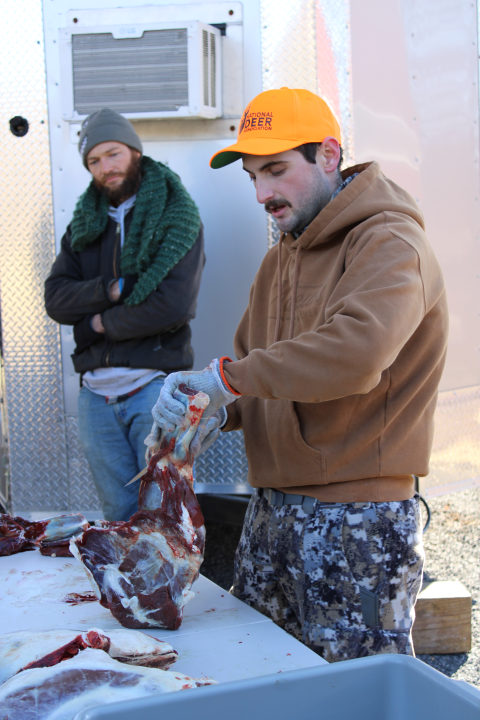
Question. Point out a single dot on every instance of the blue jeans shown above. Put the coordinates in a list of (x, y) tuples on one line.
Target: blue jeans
[(112, 439)]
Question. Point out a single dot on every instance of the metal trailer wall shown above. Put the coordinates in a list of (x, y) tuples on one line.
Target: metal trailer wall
[(42, 181), (303, 43), (274, 51), (416, 111), (31, 342)]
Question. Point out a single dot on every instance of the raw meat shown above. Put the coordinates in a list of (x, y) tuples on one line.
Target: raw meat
[(29, 649), (143, 569), (52, 535), (78, 598), (90, 679), (60, 548)]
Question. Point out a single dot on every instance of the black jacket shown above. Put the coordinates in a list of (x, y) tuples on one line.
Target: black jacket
[(154, 334)]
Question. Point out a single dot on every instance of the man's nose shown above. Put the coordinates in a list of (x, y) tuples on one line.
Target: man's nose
[(264, 192), (105, 164)]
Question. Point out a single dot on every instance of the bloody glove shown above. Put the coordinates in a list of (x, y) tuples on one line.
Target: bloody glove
[(169, 409)]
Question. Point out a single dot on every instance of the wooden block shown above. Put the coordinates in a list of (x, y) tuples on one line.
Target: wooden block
[(443, 623)]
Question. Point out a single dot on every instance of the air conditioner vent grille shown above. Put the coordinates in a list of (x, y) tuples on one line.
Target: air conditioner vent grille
[(205, 66), (209, 69), (130, 75), (213, 77)]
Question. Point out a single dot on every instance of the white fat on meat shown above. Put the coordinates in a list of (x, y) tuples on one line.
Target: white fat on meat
[(21, 650), (76, 554), (90, 679), (136, 648)]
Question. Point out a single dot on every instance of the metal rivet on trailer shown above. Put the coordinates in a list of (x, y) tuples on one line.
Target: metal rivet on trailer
[(232, 127), (230, 12), (19, 126)]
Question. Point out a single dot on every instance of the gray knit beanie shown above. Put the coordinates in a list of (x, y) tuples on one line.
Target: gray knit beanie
[(106, 126)]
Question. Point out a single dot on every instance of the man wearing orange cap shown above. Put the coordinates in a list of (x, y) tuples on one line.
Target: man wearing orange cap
[(339, 357)]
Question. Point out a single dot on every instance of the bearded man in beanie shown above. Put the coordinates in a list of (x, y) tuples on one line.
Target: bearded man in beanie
[(127, 278), (339, 357)]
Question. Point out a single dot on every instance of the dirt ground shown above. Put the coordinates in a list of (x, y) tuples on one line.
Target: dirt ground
[(452, 546)]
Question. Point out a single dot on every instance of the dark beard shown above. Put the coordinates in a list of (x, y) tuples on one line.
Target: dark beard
[(129, 186)]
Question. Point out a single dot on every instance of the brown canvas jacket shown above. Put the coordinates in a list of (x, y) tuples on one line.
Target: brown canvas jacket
[(341, 406)]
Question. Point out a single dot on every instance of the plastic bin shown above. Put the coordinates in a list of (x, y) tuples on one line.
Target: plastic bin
[(383, 687)]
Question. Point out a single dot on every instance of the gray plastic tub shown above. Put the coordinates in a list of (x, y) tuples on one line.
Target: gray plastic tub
[(383, 687)]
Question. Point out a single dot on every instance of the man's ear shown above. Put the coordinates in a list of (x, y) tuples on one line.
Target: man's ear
[(330, 151)]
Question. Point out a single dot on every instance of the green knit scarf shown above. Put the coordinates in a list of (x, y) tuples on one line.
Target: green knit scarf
[(164, 227)]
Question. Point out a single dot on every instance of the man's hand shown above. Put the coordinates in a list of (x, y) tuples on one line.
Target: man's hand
[(114, 291), (207, 432), (97, 323), (170, 408)]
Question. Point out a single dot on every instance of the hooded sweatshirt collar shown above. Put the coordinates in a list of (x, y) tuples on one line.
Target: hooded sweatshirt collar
[(368, 194)]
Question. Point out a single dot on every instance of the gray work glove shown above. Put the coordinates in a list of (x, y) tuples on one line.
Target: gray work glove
[(170, 408), (207, 432)]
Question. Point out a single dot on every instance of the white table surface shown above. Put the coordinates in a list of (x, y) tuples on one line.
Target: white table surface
[(220, 637)]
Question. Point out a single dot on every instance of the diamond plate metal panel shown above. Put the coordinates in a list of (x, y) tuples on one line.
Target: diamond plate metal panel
[(306, 44), (334, 66), (4, 457), (31, 341), (223, 464), (456, 446), (82, 492), (288, 44), (273, 233)]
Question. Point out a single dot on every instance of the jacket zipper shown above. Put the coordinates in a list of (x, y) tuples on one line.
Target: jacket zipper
[(117, 237), (106, 355)]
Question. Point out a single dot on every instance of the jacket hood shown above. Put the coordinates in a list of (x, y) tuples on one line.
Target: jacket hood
[(367, 195)]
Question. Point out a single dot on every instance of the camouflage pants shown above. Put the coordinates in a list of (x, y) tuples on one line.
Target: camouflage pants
[(343, 580)]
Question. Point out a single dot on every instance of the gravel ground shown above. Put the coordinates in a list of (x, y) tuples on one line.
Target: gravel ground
[(452, 546)]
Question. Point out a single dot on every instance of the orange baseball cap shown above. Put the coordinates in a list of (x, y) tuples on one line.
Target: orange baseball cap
[(279, 120)]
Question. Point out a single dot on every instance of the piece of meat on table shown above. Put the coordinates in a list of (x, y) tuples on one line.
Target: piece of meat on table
[(51, 535), (143, 569), (25, 650), (90, 679)]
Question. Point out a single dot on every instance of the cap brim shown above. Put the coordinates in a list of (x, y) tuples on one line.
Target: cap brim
[(255, 146)]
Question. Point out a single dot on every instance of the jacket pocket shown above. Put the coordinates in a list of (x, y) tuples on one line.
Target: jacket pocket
[(317, 456), (278, 456)]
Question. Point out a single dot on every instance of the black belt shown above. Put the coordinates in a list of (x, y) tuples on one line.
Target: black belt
[(112, 399), (278, 499)]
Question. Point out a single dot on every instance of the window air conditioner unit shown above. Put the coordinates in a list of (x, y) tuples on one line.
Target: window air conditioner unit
[(155, 70)]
